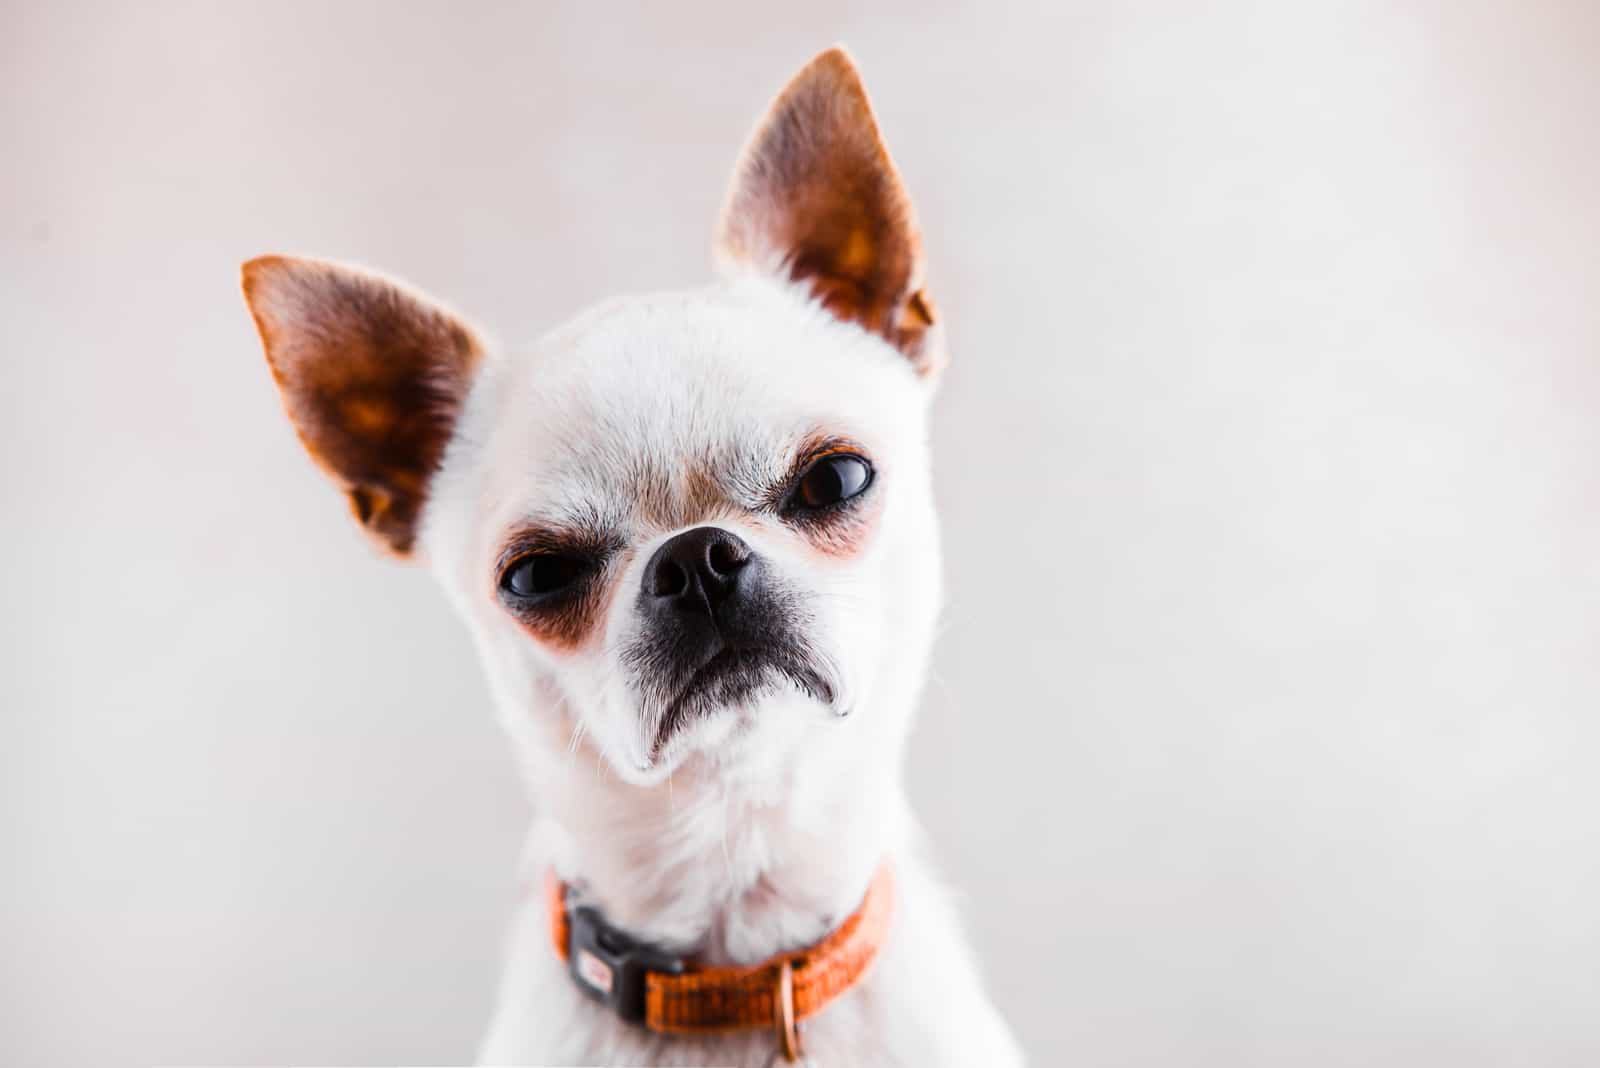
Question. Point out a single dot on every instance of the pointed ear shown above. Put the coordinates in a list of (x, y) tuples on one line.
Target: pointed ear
[(816, 198), (373, 377)]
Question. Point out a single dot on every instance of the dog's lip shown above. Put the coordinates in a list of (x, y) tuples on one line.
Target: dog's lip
[(716, 663), (727, 658)]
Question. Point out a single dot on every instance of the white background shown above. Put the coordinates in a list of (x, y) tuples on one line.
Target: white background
[(1264, 729)]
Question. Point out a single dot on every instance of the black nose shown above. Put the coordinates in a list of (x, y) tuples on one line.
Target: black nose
[(697, 570)]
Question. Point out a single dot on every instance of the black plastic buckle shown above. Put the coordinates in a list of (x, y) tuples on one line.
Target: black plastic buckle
[(610, 966)]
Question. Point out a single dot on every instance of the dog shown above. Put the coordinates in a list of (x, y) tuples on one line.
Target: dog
[(694, 539)]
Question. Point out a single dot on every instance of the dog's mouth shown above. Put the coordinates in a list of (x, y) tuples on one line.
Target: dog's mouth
[(735, 676)]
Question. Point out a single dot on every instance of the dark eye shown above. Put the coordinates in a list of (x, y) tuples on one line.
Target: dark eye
[(541, 574), (831, 480)]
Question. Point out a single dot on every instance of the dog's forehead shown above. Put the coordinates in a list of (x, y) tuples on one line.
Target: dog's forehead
[(668, 408)]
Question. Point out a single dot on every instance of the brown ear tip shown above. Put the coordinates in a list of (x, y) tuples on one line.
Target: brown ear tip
[(253, 272), (831, 66), (836, 54), (257, 264), (835, 62)]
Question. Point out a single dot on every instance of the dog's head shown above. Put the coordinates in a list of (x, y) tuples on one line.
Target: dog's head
[(695, 526)]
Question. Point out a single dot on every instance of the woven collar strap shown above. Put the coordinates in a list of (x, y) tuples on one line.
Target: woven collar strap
[(673, 996)]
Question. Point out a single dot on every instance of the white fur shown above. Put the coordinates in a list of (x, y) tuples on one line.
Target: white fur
[(757, 830)]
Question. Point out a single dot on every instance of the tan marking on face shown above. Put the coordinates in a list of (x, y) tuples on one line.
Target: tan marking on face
[(693, 495), (573, 623), (844, 535), (577, 624)]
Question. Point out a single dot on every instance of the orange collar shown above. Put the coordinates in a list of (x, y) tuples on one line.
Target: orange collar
[(673, 996)]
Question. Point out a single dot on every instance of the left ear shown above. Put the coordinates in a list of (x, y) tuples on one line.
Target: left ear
[(816, 198), (373, 377)]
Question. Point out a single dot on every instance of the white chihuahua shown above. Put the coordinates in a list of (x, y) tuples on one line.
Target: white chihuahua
[(694, 539)]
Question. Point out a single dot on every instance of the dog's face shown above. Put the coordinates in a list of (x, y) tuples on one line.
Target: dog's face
[(695, 527)]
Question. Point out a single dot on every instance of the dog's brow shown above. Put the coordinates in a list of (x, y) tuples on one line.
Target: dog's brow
[(827, 445), (555, 537)]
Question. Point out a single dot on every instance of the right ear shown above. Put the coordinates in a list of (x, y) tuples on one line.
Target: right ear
[(373, 377), (817, 200)]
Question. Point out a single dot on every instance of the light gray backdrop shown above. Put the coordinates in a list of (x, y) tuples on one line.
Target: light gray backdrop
[(1264, 729)]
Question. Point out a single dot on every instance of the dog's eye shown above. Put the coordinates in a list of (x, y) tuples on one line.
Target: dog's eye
[(832, 480), (541, 574)]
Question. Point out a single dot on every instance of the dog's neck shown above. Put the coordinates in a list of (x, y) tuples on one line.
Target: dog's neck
[(729, 865)]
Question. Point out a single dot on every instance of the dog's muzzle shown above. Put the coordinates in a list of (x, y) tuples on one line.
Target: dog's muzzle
[(718, 629)]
